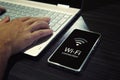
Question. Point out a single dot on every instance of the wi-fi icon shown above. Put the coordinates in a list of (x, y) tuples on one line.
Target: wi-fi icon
[(80, 41)]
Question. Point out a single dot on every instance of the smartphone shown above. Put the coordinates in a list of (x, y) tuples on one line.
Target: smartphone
[(73, 52)]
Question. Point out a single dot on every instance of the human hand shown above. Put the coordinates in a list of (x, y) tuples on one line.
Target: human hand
[(20, 33)]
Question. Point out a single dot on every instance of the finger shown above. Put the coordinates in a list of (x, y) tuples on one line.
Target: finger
[(32, 20), (41, 33), (5, 20), (38, 25), (47, 19), (24, 19)]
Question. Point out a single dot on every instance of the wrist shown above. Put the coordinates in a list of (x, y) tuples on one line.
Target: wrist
[(5, 49), (5, 53)]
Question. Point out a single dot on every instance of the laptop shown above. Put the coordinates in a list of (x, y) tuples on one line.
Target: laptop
[(61, 12)]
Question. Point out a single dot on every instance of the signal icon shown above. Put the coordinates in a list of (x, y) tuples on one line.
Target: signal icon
[(80, 41)]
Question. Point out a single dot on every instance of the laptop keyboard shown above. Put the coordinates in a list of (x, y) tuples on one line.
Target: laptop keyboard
[(15, 10)]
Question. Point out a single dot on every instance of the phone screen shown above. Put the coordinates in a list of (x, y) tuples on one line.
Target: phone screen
[(74, 50)]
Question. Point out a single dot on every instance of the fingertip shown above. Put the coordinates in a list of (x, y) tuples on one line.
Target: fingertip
[(6, 19), (51, 31), (47, 19)]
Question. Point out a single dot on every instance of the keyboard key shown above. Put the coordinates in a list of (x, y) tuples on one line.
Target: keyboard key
[(14, 11)]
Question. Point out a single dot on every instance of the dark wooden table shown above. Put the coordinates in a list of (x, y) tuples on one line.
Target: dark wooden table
[(103, 64)]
